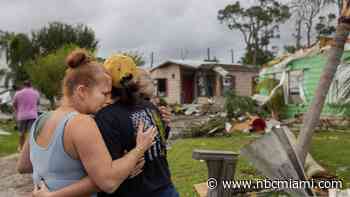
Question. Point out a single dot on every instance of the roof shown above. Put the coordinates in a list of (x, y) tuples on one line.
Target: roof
[(283, 62), (203, 64)]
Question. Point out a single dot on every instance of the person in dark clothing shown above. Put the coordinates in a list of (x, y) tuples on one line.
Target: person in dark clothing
[(117, 122)]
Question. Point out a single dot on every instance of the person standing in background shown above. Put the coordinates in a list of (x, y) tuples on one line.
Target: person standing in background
[(25, 105)]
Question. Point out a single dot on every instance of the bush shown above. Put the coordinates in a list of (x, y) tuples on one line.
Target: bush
[(6, 108), (237, 106), (200, 130)]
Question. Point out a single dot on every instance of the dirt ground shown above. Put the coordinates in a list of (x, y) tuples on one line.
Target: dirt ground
[(13, 184)]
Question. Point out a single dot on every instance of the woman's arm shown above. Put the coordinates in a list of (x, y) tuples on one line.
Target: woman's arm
[(24, 165), (81, 188), (107, 174)]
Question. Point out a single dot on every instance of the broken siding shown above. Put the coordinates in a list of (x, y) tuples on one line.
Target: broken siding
[(312, 68), (244, 83)]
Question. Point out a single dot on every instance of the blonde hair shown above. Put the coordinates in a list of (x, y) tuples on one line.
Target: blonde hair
[(145, 83)]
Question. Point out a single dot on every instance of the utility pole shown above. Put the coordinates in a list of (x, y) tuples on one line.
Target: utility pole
[(152, 58), (208, 52), (232, 56)]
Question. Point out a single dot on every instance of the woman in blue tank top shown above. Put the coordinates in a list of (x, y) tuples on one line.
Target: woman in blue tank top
[(117, 123), (65, 145)]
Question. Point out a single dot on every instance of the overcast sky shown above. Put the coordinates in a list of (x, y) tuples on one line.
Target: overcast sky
[(162, 26)]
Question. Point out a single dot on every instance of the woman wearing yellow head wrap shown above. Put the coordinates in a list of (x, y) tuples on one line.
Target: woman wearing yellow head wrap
[(118, 121)]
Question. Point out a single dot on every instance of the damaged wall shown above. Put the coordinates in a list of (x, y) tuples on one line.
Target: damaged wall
[(311, 68), (172, 74)]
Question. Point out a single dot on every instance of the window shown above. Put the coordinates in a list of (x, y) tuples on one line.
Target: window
[(229, 83), (161, 87), (295, 79)]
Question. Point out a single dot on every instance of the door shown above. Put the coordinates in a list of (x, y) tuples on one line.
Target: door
[(187, 90)]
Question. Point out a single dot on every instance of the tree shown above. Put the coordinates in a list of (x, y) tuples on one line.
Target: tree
[(52, 37), (136, 56), (47, 72), (258, 24), (306, 12), (4, 45), (312, 116), (325, 25), (290, 49), (261, 56), (339, 4), (298, 17), (18, 50)]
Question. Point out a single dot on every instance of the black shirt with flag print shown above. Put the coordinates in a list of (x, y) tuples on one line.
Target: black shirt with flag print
[(118, 125)]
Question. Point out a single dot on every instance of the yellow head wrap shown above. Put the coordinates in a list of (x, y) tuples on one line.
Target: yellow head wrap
[(120, 67)]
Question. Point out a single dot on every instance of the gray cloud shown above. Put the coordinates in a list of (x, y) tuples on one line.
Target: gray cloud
[(162, 26)]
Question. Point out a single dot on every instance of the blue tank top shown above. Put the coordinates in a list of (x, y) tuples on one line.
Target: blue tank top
[(53, 164)]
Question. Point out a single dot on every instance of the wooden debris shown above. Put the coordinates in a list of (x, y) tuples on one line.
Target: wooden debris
[(201, 189)]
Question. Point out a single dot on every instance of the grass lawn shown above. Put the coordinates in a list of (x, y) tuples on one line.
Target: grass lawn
[(331, 149), (8, 144)]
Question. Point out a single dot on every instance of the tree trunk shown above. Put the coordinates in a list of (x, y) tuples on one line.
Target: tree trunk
[(309, 29), (311, 118), (298, 35), (340, 5), (255, 56), (275, 115)]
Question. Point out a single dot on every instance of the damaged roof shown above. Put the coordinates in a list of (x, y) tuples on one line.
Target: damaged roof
[(207, 65)]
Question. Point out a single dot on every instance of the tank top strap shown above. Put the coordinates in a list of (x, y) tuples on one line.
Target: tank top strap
[(60, 128), (38, 123)]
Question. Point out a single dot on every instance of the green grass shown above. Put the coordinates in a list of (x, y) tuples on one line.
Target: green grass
[(331, 149), (8, 144)]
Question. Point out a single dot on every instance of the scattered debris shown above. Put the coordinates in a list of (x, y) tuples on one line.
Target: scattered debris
[(201, 189), (338, 193), (2, 132), (191, 109), (228, 127), (208, 127), (278, 146), (271, 124), (248, 124)]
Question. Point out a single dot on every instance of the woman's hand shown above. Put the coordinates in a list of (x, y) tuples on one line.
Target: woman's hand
[(145, 139), (138, 168), (166, 114), (41, 190)]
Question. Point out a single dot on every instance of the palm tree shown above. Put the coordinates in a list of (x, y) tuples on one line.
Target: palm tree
[(312, 116)]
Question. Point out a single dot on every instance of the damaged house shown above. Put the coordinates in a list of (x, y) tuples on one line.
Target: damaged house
[(299, 74), (195, 81)]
